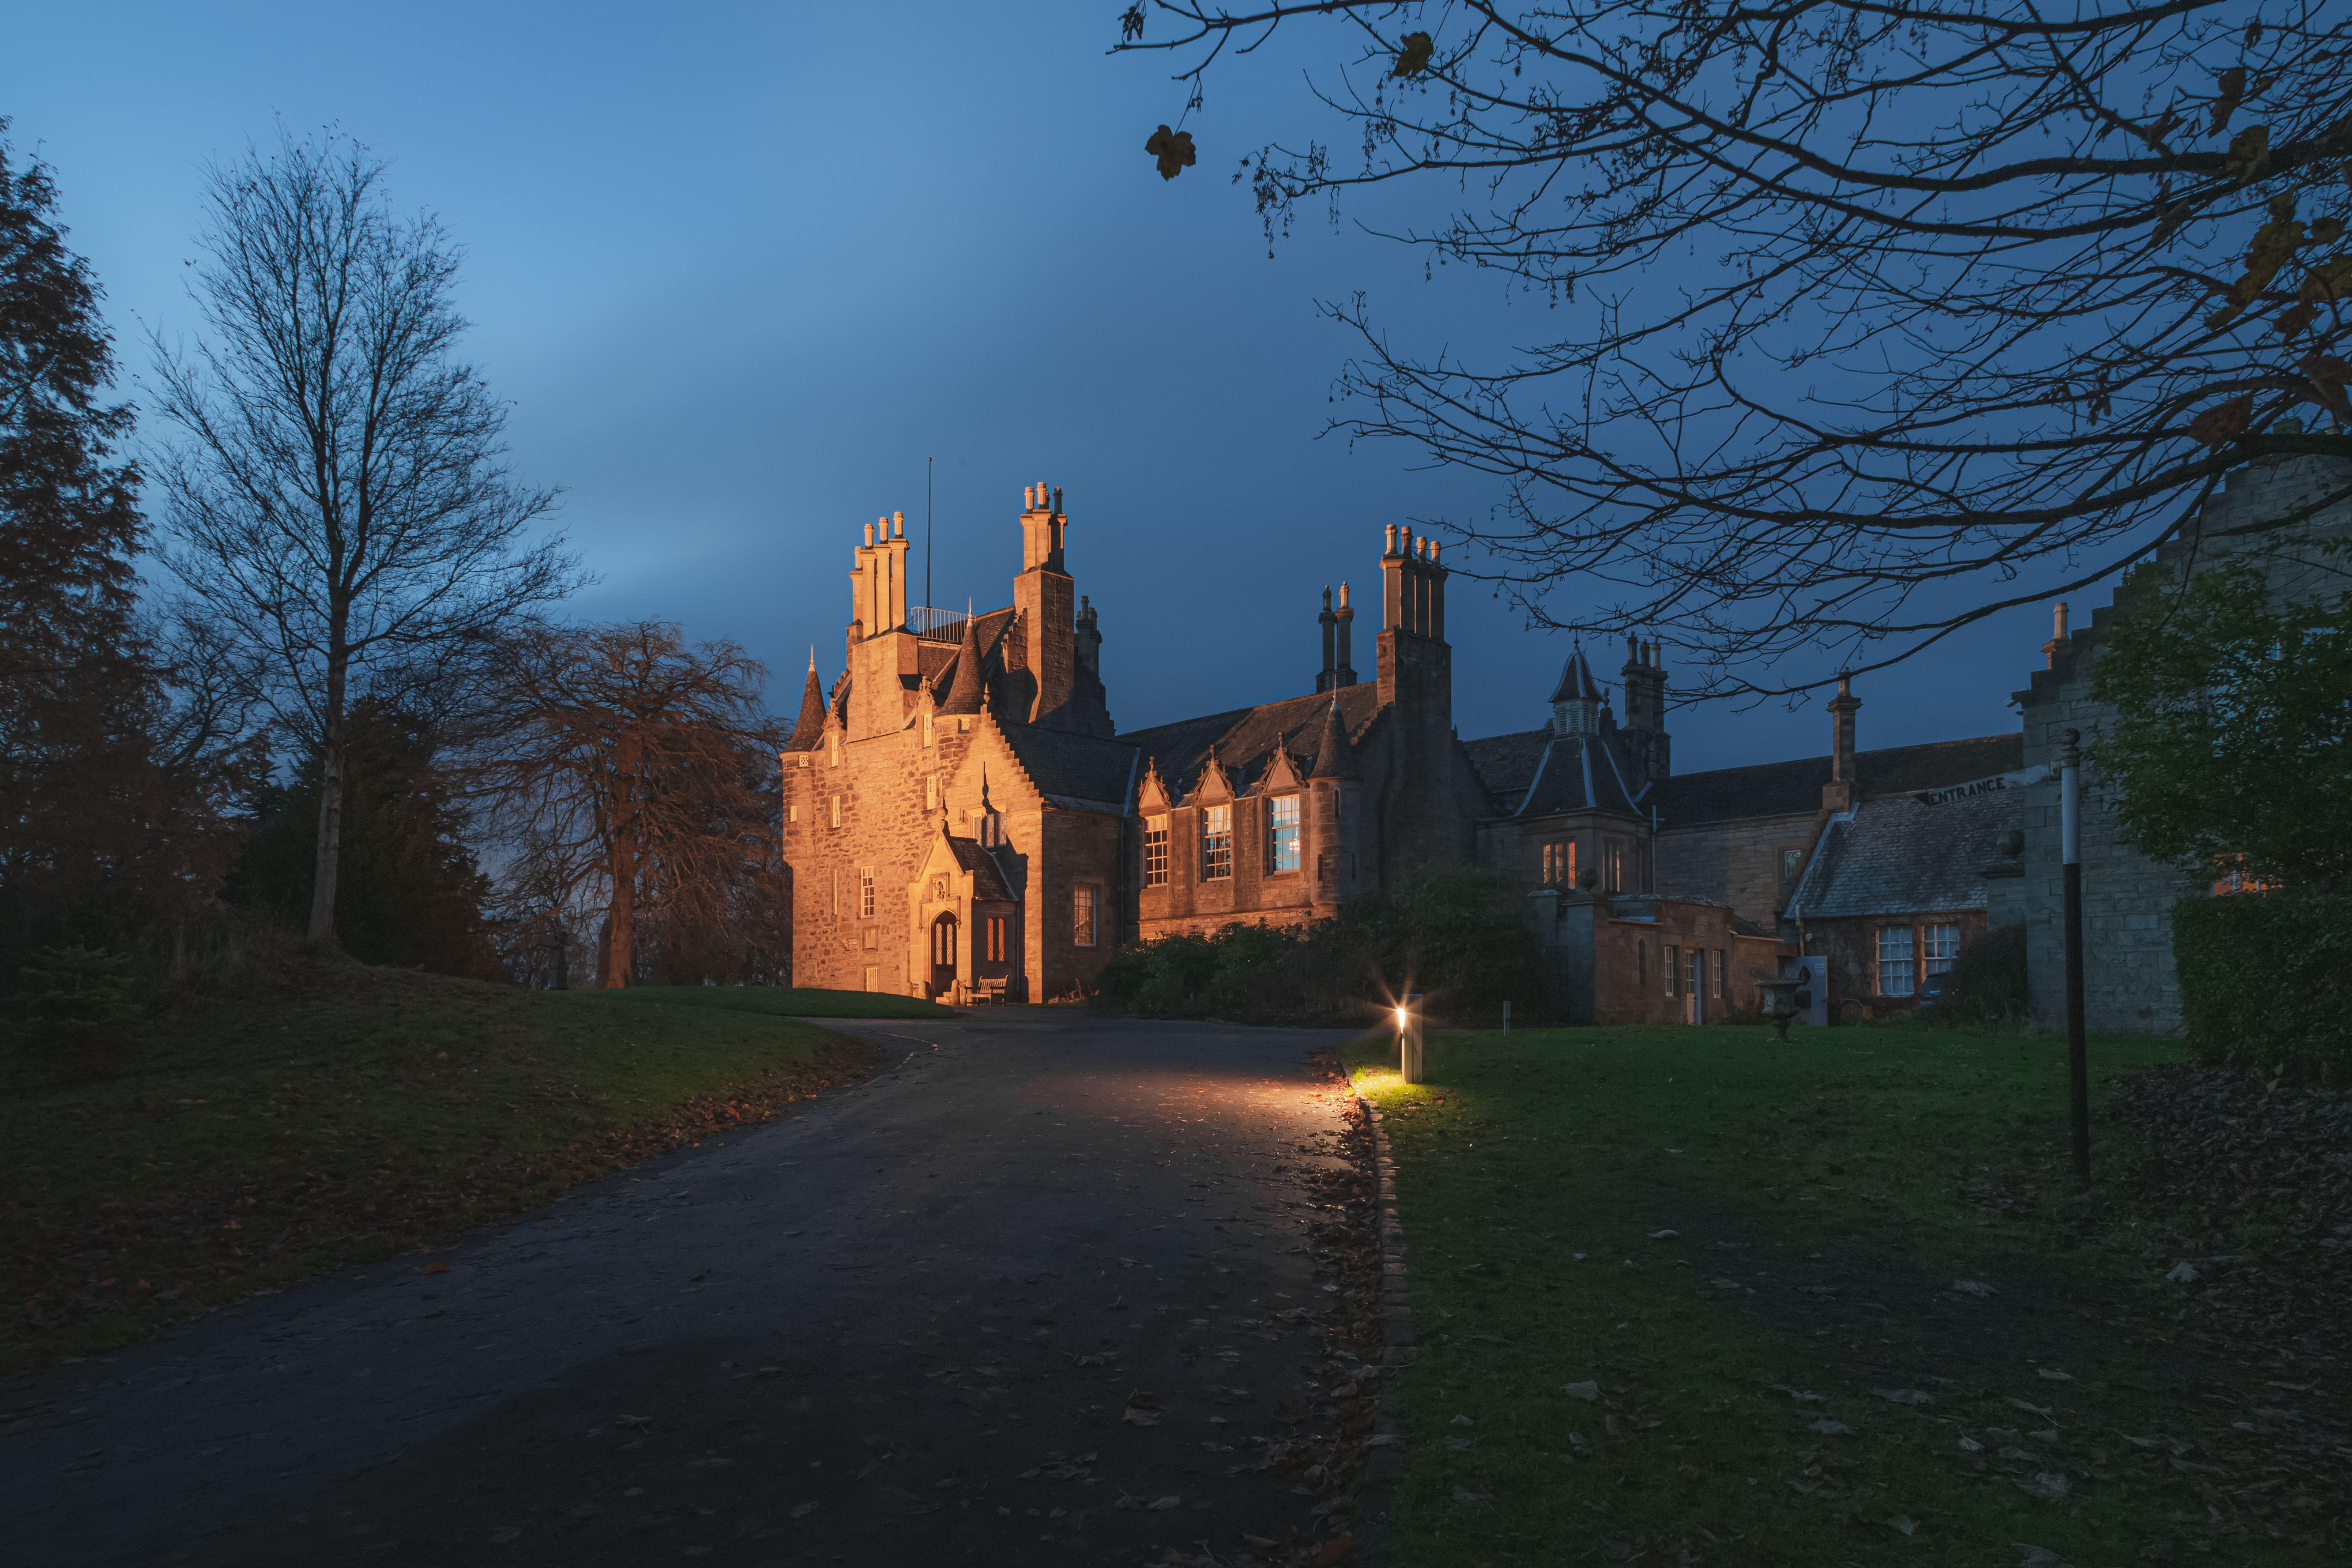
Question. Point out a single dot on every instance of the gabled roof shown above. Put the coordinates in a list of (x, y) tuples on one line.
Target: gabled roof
[(987, 876), (1581, 773), (1245, 738), (1794, 788), (1898, 856), (1076, 770)]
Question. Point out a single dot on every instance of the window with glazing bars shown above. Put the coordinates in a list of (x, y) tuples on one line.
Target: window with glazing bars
[(1559, 863), (865, 892), (1155, 851), (1942, 946), (1082, 916), (1217, 843), (1282, 834), (1895, 976), (1673, 965)]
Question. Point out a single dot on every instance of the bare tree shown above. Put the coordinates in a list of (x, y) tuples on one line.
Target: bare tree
[(338, 500), (1879, 317), (625, 768)]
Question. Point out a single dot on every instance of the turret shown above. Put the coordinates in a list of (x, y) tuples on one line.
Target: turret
[(1577, 704), (808, 730)]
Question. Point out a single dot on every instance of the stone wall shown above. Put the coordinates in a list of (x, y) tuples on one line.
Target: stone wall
[(2128, 979), (1606, 958), (1736, 863)]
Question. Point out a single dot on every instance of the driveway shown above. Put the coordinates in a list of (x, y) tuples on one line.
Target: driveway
[(1040, 1291)]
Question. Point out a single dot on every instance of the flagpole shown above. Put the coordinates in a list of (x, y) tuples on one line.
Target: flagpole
[(930, 532)]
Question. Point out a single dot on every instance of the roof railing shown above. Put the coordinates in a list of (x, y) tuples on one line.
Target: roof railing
[(936, 625)]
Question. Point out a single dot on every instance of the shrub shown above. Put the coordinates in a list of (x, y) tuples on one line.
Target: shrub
[(80, 995), (1458, 936), (2266, 982), (1987, 984)]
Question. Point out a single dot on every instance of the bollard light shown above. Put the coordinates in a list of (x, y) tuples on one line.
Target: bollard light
[(1409, 1038)]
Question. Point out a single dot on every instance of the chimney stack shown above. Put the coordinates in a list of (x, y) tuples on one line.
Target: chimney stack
[(1344, 672), (2057, 635), (1843, 789)]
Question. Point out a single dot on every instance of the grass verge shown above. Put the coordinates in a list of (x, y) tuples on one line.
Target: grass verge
[(346, 1113), (1686, 1295), (776, 1002)]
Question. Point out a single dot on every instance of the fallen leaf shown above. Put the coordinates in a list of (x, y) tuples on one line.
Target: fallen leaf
[(1588, 1390), (1973, 1288), (633, 1420), (1462, 1421), (1832, 1428), (1903, 1522), (2051, 1374), (2048, 1485), (2038, 1556), (1164, 1502), (1663, 1235), (505, 1533), (1464, 1494), (1799, 1396), (436, 1269), (803, 1509), (1904, 1396), (2183, 1274)]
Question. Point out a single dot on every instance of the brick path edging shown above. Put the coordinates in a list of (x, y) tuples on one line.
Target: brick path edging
[(1386, 1461)]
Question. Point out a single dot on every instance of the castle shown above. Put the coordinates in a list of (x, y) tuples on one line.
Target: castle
[(964, 822)]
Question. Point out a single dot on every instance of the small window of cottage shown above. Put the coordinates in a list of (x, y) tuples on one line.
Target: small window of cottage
[(1896, 974), (865, 892), (1082, 915)]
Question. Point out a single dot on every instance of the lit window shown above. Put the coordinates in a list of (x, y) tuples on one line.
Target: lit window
[(1082, 916), (1217, 843), (1674, 958), (1616, 877), (1943, 945), (994, 933), (793, 812), (1155, 851), (1896, 976), (865, 892), (1282, 834)]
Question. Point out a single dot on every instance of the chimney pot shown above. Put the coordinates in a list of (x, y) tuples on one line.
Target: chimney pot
[(897, 525), (869, 536), (2058, 619), (1057, 498), (1392, 549), (1343, 596)]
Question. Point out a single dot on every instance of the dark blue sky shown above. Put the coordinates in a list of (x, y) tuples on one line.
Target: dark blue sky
[(742, 268)]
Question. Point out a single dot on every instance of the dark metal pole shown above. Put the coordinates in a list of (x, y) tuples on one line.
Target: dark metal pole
[(2070, 841), (930, 531)]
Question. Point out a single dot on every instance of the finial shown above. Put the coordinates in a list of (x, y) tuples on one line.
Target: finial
[(811, 658)]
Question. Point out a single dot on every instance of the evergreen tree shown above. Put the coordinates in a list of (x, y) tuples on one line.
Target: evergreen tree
[(97, 817), (409, 893)]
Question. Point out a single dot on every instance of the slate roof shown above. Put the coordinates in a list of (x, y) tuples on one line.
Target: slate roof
[(1078, 770), (988, 626), (1896, 857), (1507, 764), (1794, 788), (987, 876), (1580, 773), (1245, 738)]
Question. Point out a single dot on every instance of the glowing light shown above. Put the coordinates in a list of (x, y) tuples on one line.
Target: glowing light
[(1403, 1019)]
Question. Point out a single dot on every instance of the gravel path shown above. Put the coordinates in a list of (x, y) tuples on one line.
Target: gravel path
[(1032, 1294)]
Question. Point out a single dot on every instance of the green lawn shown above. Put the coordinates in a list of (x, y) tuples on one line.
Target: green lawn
[(777, 1002), (349, 1112), (1670, 1277)]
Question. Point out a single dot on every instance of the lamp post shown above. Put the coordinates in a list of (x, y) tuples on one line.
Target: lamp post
[(2069, 856), (1409, 1038)]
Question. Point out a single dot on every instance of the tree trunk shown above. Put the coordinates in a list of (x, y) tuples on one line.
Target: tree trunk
[(331, 738), (331, 841), (622, 918)]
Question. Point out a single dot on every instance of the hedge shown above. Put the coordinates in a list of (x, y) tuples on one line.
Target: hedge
[(2266, 982)]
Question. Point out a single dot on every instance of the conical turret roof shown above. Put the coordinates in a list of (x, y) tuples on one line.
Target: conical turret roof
[(1576, 683), (966, 694), (1334, 758), (808, 730)]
